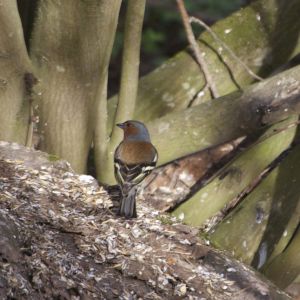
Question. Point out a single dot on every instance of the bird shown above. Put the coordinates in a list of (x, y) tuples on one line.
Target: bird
[(134, 159)]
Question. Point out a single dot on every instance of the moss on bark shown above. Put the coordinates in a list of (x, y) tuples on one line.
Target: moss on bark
[(263, 228), (231, 181), (264, 35)]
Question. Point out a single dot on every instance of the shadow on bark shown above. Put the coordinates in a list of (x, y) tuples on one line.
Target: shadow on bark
[(286, 10), (283, 208)]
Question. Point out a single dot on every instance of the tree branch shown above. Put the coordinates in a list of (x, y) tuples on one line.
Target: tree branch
[(129, 76), (265, 103), (200, 22), (173, 85), (196, 49)]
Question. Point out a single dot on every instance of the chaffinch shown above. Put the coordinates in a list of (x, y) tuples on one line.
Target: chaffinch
[(134, 159)]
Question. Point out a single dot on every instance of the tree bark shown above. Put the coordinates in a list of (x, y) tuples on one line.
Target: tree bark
[(265, 221), (264, 35), (284, 269), (14, 64), (272, 100), (71, 47), (260, 209), (241, 172), (128, 87)]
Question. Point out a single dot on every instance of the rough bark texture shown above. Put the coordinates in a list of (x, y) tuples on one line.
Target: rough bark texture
[(71, 47), (60, 238)]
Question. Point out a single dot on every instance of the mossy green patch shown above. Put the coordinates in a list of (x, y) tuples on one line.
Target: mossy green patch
[(53, 157)]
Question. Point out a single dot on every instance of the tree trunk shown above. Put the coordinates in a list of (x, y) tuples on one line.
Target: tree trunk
[(71, 47), (14, 65)]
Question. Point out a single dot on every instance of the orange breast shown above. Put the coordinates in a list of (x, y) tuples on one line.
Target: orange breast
[(136, 152)]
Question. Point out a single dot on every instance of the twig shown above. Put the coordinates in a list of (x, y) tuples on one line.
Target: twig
[(201, 23), (195, 47)]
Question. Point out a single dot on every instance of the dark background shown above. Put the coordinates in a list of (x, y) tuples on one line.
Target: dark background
[(163, 33)]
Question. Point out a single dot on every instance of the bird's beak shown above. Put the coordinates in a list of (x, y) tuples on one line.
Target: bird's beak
[(121, 125)]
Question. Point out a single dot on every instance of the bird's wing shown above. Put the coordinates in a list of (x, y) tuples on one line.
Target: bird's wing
[(132, 174)]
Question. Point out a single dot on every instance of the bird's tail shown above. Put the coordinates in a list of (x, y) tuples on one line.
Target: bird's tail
[(128, 205)]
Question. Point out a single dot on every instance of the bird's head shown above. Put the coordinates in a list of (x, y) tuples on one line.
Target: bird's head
[(134, 131)]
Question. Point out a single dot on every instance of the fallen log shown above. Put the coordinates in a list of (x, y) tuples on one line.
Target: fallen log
[(60, 238)]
